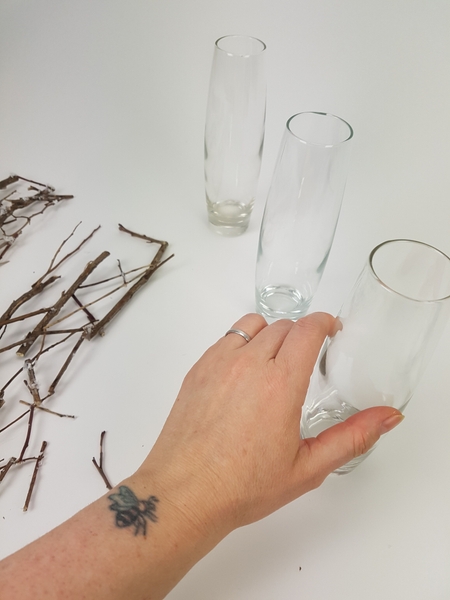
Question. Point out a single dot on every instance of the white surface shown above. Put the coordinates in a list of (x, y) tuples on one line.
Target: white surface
[(106, 100)]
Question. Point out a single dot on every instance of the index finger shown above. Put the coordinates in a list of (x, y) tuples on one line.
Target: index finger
[(302, 345)]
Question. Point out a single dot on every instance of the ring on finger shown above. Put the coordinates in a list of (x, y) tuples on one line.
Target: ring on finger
[(246, 337)]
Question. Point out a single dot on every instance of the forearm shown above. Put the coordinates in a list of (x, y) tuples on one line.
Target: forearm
[(115, 554), (229, 454)]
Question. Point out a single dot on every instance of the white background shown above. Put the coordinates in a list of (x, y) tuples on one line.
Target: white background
[(106, 100)]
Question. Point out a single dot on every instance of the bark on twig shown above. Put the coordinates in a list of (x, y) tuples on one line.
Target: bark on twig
[(27, 438), (47, 410), (99, 465), (34, 476), (49, 317), (4, 470), (33, 335), (51, 389), (154, 265)]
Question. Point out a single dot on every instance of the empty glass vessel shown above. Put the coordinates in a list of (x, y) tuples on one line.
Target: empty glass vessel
[(301, 213), (390, 326), (234, 131)]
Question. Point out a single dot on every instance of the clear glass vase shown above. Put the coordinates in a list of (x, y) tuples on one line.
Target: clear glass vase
[(301, 213), (390, 326), (234, 131)]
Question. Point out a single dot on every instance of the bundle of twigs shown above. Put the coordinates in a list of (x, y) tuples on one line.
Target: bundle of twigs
[(53, 328)]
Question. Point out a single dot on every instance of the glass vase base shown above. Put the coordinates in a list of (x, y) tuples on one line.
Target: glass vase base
[(229, 218), (281, 302), (317, 420)]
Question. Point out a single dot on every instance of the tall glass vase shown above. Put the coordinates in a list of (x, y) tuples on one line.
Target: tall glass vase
[(234, 132), (301, 213), (390, 326)]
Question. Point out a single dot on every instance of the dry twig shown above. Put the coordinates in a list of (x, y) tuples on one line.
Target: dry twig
[(99, 465), (47, 324), (34, 476)]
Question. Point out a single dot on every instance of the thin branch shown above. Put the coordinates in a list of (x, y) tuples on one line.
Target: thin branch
[(27, 438), (33, 335), (99, 465), (43, 351), (49, 187), (51, 389), (34, 313), (15, 421), (33, 478), (8, 181), (86, 285), (47, 410), (84, 308), (4, 470), (132, 280), (35, 289), (54, 266), (38, 286), (128, 295), (32, 382), (122, 274)]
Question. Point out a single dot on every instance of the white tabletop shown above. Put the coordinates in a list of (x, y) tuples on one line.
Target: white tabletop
[(106, 100)]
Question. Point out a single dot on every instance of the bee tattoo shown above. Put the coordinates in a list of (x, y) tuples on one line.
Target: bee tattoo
[(132, 512)]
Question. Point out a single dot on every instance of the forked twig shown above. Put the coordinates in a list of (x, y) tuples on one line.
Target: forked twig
[(4, 470), (99, 465), (47, 410), (48, 324), (33, 335)]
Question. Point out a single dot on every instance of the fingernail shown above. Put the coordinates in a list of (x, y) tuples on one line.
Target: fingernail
[(337, 326), (391, 422)]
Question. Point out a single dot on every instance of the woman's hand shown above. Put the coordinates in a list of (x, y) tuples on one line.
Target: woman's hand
[(231, 446), (229, 454)]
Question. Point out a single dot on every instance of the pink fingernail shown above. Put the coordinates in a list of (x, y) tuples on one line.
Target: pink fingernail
[(391, 422)]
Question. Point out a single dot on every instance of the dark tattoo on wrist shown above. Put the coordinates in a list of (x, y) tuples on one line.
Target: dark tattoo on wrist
[(132, 512)]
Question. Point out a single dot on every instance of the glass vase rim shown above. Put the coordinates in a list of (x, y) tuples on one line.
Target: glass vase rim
[(322, 114), (238, 35), (392, 290)]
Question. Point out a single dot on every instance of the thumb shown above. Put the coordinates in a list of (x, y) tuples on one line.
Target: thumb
[(345, 441)]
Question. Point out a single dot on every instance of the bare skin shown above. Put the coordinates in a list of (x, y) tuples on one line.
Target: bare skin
[(229, 454)]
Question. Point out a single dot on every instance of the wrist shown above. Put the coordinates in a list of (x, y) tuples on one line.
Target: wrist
[(186, 514)]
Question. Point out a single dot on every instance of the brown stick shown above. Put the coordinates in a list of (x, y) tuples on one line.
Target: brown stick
[(43, 185), (51, 389), (15, 421), (32, 382), (8, 181), (4, 470), (99, 465), (33, 313), (33, 478), (86, 311), (27, 438), (47, 410), (39, 285), (155, 264), (54, 266), (86, 285), (99, 327), (37, 331)]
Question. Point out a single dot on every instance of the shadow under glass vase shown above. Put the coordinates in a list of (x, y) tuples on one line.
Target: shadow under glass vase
[(234, 132)]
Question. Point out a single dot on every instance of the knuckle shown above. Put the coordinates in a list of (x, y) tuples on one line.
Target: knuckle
[(316, 324), (361, 443), (252, 320)]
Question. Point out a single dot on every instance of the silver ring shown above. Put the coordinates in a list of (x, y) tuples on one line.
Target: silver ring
[(246, 337)]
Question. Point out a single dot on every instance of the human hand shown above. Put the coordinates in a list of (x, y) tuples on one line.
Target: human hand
[(230, 453), (231, 446)]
